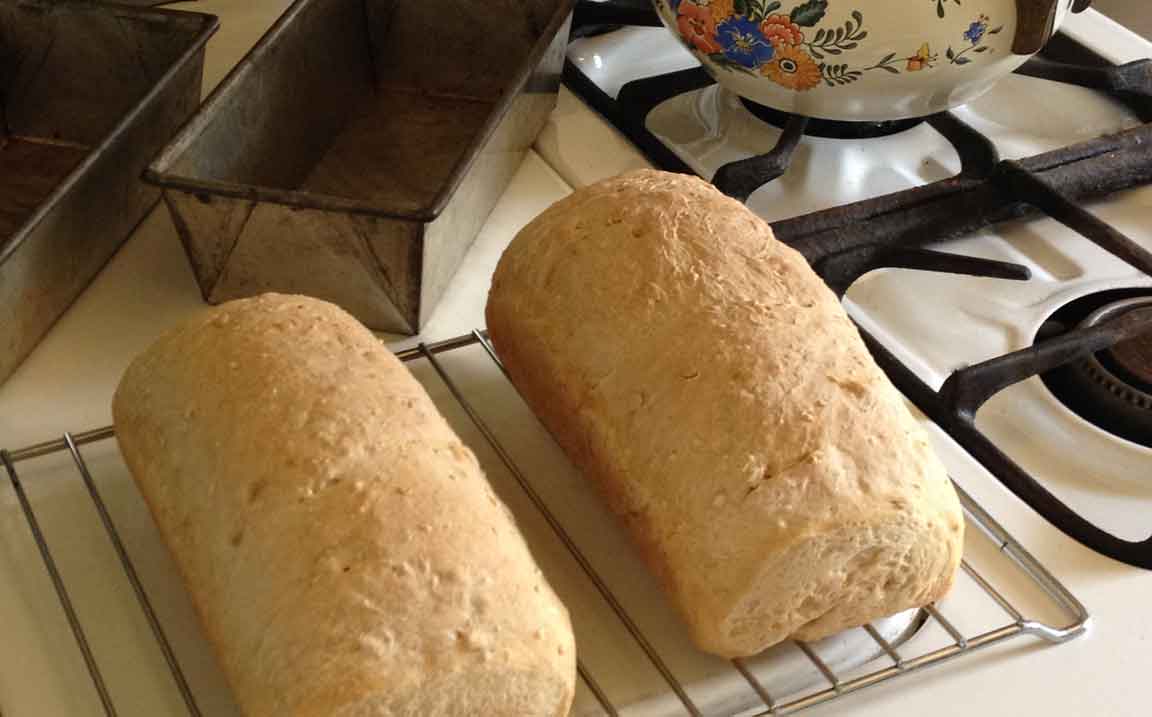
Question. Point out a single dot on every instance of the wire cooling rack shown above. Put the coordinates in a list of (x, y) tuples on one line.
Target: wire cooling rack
[(893, 659)]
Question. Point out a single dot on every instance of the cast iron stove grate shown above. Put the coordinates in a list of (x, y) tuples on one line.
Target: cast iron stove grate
[(844, 243)]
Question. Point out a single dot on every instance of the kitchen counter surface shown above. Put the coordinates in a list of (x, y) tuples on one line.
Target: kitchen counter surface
[(1134, 14), (148, 287)]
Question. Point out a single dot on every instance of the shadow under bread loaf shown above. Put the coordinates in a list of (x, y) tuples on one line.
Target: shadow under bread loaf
[(702, 374), (345, 553)]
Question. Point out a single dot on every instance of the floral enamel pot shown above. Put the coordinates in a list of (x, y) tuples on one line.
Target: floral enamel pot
[(866, 60)]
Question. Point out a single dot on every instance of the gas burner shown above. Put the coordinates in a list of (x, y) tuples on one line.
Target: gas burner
[(831, 129), (1130, 362), (1112, 388)]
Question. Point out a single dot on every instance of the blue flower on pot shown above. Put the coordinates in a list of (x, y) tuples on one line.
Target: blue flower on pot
[(976, 30), (743, 42)]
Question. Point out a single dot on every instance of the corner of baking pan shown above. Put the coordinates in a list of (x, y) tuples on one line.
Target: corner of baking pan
[(561, 16), (208, 25), (159, 171)]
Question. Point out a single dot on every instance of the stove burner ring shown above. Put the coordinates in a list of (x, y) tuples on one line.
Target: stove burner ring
[(1125, 370), (1112, 389)]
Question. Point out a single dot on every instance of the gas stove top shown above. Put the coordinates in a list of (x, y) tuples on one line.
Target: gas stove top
[(1001, 280)]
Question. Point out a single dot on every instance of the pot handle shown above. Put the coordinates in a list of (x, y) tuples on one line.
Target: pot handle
[(1035, 23)]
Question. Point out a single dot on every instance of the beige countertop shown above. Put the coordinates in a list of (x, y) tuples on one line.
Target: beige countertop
[(1136, 14)]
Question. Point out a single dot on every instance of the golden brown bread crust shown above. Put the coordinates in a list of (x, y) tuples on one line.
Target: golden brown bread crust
[(342, 546), (715, 389)]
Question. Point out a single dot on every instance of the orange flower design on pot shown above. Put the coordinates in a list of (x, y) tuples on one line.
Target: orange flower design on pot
[(820, 58), (780, 30), (793, 68), (698, 27), (722, 9), (922, 59)]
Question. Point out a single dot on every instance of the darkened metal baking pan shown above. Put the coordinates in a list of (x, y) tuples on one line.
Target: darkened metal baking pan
[(89, 92), (356, 152)]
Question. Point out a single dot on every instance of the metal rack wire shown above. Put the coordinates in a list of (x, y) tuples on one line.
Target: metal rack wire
[(838, 685)]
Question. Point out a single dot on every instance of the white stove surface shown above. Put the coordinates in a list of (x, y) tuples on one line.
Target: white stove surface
[(936, 323)]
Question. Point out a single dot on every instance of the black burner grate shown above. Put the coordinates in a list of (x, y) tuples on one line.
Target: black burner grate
[(843, 243)]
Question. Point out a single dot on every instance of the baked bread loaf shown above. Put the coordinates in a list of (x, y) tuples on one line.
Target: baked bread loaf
[(345, 552), (702, 374)]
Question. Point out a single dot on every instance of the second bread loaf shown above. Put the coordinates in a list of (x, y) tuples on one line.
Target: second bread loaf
[(705, 377)]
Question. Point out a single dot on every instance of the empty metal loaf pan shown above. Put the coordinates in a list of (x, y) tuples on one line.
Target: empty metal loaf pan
[(88, 94), (355, 153)]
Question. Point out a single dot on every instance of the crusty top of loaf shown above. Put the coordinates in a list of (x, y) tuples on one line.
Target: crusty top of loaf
[(716, 388), (344, 549)]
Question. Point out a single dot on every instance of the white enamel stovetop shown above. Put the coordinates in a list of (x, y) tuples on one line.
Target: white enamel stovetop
[(67, 384)]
